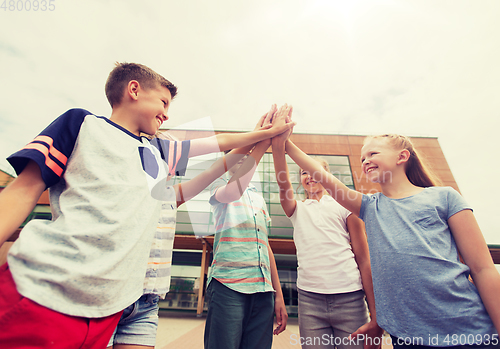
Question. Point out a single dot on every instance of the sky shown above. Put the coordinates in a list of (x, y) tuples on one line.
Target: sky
[(419, 68)]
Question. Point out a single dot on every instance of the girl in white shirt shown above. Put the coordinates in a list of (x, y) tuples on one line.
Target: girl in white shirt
[(334, 272)]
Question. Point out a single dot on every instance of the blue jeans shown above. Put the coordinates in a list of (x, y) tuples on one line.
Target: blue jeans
[(237, 320), (327, 320), (139, 323)]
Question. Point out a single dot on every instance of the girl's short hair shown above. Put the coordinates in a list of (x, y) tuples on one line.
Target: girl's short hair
[(326, 167), (416, 170)]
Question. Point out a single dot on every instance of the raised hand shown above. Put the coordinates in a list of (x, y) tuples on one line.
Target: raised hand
[(265, 120), (280, 119), (284, 116)]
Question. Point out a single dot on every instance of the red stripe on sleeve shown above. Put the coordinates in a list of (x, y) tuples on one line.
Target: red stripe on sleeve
[(48, 161), (53, 151)]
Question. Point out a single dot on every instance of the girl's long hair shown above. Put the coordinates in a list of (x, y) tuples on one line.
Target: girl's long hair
[(416, 170), (324, 164)]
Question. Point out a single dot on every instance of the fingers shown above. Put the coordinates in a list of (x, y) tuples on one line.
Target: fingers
[(289, 116), (260, 122), (283, 110), (268, 117), (281, 320), (284, 321), (363, 332), (282, 113), (278, 328), (271, 113), (359, 331)]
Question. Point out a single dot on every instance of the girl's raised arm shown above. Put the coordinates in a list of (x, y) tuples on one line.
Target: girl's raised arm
[(287, 198), (348, 198), (474, 251)]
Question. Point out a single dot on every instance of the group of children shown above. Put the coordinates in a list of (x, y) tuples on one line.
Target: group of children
[(93, 275)]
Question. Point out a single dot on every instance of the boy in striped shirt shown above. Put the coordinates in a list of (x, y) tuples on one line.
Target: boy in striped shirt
[(244, 290)]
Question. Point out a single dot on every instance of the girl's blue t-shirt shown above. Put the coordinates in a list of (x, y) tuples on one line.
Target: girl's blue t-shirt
[(422, 291)]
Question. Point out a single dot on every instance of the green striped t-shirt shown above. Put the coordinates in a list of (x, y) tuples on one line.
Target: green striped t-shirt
[(241, 258)]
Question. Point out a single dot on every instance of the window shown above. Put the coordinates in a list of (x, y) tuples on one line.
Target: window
[(39, 212), (195, 217)]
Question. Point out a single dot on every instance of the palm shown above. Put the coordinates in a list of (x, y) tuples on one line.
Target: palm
[(265, 120), (283, 116)]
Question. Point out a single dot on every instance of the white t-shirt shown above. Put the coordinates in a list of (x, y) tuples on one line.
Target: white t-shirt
[(325, 258)]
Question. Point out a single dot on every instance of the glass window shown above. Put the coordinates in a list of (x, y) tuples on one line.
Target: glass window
[(195, 217), (39, 212)]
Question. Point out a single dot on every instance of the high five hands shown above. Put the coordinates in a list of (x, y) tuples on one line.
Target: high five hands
[(281, 119)]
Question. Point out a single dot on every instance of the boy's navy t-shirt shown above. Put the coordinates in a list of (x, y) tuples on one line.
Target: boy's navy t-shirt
[(105, 186)]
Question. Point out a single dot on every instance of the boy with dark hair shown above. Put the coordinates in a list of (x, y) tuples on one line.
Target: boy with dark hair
[(67, 280), (138, 324), (125, 72)]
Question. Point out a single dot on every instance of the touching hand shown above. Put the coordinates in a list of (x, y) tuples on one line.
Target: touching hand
[(265, 121), (282, 121), (281, 315), (284, 114), (372, 334)]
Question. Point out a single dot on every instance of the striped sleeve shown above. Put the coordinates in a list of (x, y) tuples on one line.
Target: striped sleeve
[(52, 147), (174, 153)]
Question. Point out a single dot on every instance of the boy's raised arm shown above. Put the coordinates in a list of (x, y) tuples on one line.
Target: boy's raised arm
[(240, 180), (194, 186), (226, 141), (19, 198)]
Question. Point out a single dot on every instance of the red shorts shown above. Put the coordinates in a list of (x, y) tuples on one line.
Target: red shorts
[(26, 324)]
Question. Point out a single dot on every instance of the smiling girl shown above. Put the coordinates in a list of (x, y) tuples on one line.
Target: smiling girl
[(416, 233)]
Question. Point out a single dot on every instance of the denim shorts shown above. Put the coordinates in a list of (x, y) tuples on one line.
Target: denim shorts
[(139, 323)]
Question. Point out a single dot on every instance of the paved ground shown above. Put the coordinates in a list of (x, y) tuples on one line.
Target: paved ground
[(183, 330)]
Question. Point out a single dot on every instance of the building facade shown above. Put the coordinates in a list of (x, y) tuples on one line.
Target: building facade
[(194, 231), (192, 247)]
